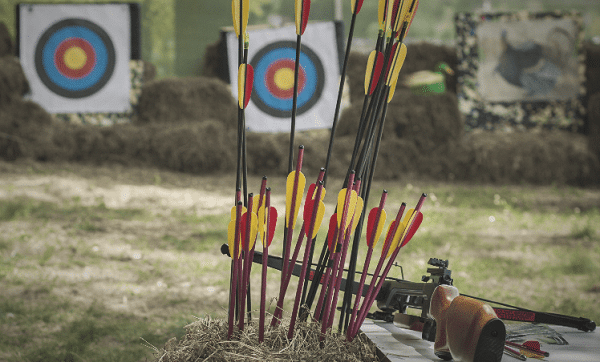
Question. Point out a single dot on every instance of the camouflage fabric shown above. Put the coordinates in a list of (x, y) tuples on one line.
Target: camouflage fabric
[(525, 113), (108, 119)]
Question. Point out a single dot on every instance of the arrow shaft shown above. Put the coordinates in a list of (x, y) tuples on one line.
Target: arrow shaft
[(307, 248), (263, 286)]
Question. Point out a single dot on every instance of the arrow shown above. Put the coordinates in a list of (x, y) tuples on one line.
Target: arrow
[(296, 181), (302, 9), (374, 66), (249, 228), (356, 212), (235, 267), (245, 82), (316, 213), (270, 220), (414, 222), (308, 221), (375, 223), (345, 198)]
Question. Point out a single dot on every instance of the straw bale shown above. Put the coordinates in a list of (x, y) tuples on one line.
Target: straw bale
[(13, 83), (206, 340), (24, 130), (194, 147), (594, 123), (428, 121), (6, 44), (194, 99), (545, 157)]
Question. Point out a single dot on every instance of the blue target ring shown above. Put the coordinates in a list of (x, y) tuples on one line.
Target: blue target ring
[(96, 57), (276, 60)]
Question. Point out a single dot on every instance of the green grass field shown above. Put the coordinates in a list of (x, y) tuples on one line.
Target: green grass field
[(108, 263)]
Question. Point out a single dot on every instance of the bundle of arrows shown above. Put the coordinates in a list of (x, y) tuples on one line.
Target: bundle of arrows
[(254, 218)]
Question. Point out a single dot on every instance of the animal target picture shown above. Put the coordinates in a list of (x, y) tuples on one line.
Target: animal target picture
[(76, 57)]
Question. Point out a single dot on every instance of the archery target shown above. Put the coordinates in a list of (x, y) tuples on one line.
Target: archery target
[(77, 56), (272, 53), (274, 71)]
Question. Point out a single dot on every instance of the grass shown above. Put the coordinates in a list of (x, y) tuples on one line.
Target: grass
[(85, 281)]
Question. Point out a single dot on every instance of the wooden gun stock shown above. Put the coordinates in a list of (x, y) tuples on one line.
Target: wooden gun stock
[(468, 330)]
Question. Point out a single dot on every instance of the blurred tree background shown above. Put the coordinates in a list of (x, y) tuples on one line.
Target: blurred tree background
[(175, 33)]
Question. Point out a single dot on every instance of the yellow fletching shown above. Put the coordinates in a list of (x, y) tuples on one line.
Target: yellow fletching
[(408, 219), (262, 220), (381, 14), (397, 64), (241, 85), (369, 71), (253, 230), (379, 230), (231, 239), (233, 211), (360, 203), (298, 12), (403, 14), (351, 206), (235, 12), (318, 220), (397, 237), (289, 190)]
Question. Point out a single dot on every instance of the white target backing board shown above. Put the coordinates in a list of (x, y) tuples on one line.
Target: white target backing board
[(76, 56), (272, 54)]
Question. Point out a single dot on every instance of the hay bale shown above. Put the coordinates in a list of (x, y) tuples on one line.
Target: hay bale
[(184, 100), (24, 130), (206, 340), (545, 157), (6, 44), (429, 121), (594, 124), (194, 147), (13, 83)]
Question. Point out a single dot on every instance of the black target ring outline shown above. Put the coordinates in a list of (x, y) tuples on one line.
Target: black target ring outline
[(100, 83), (320, 81)]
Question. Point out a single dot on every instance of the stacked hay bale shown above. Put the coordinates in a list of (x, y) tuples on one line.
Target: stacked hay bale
[(24, 126)]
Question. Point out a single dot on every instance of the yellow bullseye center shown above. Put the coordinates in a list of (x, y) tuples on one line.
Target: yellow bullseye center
[(284, 78), (75, 58)]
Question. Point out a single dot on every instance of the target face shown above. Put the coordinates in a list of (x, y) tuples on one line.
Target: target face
[(274, 70), (75, 58), (272, 54)]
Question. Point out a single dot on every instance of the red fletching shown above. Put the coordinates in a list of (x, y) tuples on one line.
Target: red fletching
[(391, 60), (413, 16), (305, 12), (395, 13), (249, 83), (356, 5), (309, 205), (371, 225), (534, 345), (332, 232), (413, 229), (376, 72), (243, 228), (272, 224)]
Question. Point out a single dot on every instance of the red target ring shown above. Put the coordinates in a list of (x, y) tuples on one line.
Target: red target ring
[(75, 58), (280, 78)]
